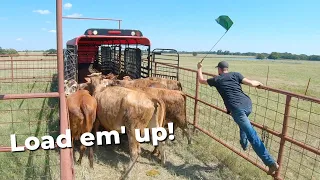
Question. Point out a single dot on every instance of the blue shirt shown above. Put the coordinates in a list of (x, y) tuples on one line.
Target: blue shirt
[(229, 87)]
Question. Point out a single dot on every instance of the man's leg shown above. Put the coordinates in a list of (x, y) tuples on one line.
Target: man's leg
[(243, 140), (242, 120)]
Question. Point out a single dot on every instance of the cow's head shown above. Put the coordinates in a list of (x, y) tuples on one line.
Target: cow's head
[(70, 86), (110, 76), (127, 78)]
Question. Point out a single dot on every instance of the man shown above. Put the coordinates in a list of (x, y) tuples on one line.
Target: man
[(239, 105)]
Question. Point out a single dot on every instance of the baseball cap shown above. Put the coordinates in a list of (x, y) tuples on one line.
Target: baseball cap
[(223, 64)]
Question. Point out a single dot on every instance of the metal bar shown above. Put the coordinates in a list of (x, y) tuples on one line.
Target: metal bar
[(224, 111), (11, 69), (29, 78), (283, 134), (195, 110), (29, 96), (100, 19), (87, 18), (306, 147), (27, 69), (25, 81), (232, 149), (22, 55), (9, 149), (31, 60), (66, 162)]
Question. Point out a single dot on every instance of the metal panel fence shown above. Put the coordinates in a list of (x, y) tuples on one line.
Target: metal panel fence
[(288, 123), (29, 106)]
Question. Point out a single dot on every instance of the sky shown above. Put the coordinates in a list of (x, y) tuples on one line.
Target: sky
[(259, 26)]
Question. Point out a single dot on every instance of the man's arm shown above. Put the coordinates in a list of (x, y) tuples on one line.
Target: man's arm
[(252, 83), (200, 76)]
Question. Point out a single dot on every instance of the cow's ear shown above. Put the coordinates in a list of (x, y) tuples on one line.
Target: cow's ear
[(87, 79)]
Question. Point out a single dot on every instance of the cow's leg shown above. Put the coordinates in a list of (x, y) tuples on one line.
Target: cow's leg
[(162, 152), (95, 128), (91, 157), (73, 149), (134, 152), (186, 131), (82, 150)]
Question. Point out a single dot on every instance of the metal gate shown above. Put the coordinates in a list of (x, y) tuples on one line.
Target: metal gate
[(70, 63), (132, 62), (165, 56)]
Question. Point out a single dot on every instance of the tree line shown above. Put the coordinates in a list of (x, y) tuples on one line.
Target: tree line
[(272, 55), (11, 51)]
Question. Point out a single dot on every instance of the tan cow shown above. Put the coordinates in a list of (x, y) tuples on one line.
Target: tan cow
[(169, 83), (137, 83), (82, 114), (119, 106), (176, 110)]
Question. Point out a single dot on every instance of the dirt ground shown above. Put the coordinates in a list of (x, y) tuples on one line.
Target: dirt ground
[(110, 160)]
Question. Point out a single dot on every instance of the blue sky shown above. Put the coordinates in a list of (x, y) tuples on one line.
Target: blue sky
[(259, 26)]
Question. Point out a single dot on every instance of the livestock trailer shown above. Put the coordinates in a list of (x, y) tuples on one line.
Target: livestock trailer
[(117, 51)]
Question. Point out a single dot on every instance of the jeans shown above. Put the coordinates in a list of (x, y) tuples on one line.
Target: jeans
[(247, 133)]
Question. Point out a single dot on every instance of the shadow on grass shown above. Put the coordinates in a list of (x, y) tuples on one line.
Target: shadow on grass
[(47, 112)]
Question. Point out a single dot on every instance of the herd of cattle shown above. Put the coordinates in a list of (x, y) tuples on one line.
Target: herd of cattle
[(109, 102)]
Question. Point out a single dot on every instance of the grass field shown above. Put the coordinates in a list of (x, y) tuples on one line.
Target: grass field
[(204, 159)]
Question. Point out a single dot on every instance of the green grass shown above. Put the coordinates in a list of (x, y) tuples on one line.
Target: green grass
[(28, 117), (38, 117)]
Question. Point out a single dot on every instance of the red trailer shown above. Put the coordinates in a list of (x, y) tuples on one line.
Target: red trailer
[(115, 51)]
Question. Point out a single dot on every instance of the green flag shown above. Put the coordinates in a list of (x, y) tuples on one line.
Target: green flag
[(224, 21)]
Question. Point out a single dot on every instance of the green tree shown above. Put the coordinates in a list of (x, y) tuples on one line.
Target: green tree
[(51, 51), (12, 52), (194, 53), (260, 56), (2, 51), (274, 55)]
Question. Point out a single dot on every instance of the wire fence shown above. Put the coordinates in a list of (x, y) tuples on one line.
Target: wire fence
[(287, 123), (29, 106)]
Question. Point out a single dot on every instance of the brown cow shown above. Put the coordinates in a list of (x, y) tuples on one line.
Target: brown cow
[(82, 114), (169, 83), (119, 106), (137, 83), (176, 110)]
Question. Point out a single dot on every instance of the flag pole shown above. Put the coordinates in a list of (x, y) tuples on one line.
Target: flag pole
[(213, 46)]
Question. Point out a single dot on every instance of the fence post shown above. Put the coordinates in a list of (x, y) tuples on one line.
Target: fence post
[(66, 156), (283, 134), (155, 69), (195, 114), (11, 59)]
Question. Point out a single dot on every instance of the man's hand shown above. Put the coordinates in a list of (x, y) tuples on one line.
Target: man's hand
[(252, 83), (256, 83), (199, 65)]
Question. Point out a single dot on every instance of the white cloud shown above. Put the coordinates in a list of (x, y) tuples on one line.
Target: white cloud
[(42, 11), (74, 15), (52, 31), (43, 29), (67, 6), (48, 22), (19, 39)]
